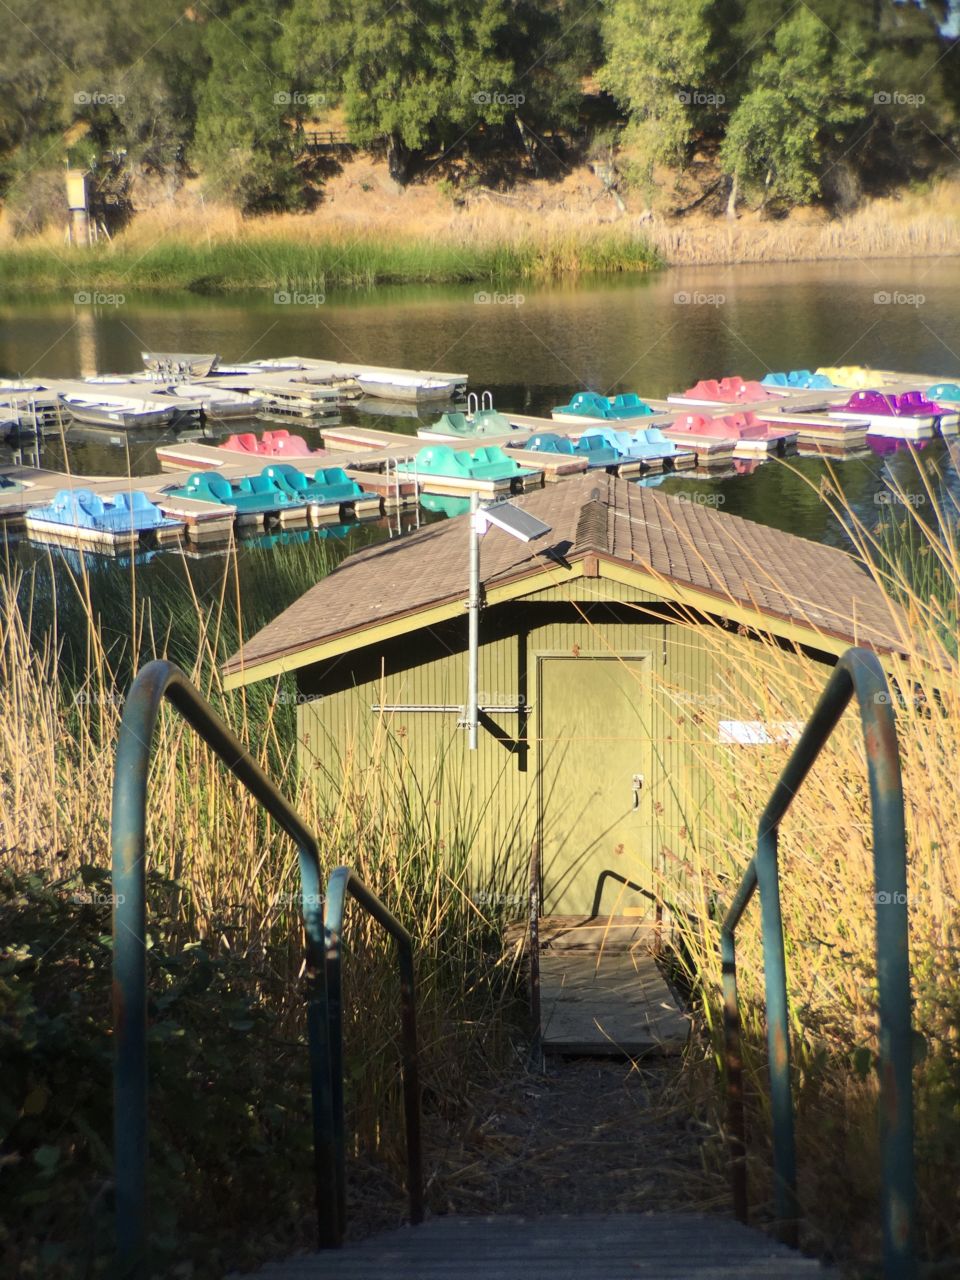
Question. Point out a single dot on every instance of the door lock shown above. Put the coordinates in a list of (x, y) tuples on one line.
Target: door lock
[(637, 787)]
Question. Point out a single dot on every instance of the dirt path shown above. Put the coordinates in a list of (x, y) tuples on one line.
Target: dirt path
[(587, 1136)]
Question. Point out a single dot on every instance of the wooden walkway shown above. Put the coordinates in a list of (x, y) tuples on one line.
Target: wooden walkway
[(602, 992), (664, 1246), (601, 989), (615, 1002)]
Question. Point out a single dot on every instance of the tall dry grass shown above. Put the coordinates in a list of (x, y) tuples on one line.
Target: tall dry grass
[(224, 892), (826, 870), (371, 234), (918, 225), (211, 249)]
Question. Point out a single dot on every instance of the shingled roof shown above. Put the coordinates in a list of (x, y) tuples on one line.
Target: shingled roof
[(684, 545)]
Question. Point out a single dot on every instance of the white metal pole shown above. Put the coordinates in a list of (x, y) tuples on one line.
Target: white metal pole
[(473, 714)]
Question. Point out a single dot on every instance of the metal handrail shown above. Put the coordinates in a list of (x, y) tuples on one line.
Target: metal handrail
[(342, 881), (157, 681), (858, 673)]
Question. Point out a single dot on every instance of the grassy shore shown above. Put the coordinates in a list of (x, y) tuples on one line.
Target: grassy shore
[(372, 234), (826, 873), (224, 252)]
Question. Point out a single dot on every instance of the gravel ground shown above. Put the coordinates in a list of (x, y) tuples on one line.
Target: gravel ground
[(589, 1135)]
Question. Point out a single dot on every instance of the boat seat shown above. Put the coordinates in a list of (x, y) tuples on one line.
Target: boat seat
[(246, 442)]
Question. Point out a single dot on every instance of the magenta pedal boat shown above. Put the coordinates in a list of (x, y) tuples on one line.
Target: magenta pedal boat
[(909, 416)]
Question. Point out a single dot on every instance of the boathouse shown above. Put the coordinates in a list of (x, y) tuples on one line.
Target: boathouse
[(596, 641)]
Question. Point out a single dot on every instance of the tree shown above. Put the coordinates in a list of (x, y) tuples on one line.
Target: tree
[(243, 142), (417, 78), (656, 62), (807, 94), (393, 66), (670, 66), (912, 94)]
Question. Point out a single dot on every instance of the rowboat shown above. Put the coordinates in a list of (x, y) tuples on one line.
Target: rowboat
[(218, 402), (119, 411), (177, 365), (396, 386)]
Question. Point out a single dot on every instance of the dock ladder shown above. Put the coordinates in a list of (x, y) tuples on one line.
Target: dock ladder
[(475, 403)]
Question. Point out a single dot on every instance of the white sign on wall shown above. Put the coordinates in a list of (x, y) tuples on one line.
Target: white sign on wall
[(756, 733)]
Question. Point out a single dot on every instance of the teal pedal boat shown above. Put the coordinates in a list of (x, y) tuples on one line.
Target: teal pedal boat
[(442, 505), (251, 495), (464, 426), (589, 404), (327, 485), (591, 446), (486, 463)]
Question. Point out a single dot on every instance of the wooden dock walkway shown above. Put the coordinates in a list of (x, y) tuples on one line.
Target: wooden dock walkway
[(616, 1246), (610, 1003), (601, 989)]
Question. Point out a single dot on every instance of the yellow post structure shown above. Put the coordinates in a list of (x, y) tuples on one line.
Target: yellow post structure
[(79, 229)]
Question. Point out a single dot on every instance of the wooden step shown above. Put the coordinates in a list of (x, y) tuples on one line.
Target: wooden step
[(661, 1246), (612, 1003), (585, 933)]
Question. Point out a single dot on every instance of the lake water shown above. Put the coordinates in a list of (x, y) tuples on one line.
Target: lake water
[(534, 346)]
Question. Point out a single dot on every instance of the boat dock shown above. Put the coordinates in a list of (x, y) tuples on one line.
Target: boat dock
[(395, 491), (373, 444), (199, 520), (713, 428)]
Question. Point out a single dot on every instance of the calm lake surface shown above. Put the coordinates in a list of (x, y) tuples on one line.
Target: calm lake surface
[(534, 346)]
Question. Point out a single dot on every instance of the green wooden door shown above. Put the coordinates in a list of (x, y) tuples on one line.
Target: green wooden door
[(593, 780)]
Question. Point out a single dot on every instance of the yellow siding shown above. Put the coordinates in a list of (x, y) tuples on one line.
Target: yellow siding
[(493, 791)]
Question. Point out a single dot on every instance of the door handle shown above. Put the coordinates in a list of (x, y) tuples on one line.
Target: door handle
[(637, 787)]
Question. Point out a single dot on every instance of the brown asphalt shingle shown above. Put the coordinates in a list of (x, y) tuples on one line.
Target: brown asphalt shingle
[(685, 542)]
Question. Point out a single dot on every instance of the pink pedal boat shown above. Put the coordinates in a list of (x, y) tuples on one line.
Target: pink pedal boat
[(271, 444), (756, 437), (748, 435), (732, 390)]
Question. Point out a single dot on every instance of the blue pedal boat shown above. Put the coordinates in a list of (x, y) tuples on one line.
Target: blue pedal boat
[(122, 513), (647, 444), (799, 380)]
